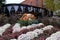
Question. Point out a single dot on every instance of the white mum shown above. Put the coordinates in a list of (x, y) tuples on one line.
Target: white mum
[(23, 37), (57, 34), (40, 24), (29, 26), (3, 28), (32, 34), (38, 31), (35, 34), (47, 27), (16, 28), (1, 31), (13, 39), (54, 36), (24, 27), (6, 26), (34, 25), (51, 38)]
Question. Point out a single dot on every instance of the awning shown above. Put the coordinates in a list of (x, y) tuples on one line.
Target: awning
[(13, 1)]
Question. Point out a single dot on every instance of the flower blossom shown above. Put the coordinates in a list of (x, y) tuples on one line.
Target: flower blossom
[(16, 28), (3, 28)]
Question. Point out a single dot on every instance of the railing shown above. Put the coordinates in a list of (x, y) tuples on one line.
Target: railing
[(22, 8)]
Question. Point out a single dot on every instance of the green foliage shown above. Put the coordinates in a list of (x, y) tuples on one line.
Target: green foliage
[(22, 22), (52, 4), (57, 6), (49, 4), (1, 2), (28, 22)]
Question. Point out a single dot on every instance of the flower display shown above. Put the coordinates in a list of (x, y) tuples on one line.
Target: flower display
[(34, 25), (6, 26), (35, 34), (23, 37), (50, 26), (24, 27), (13, 39), (54, 36), (30, 34), (29, 26), (38, 31), (1, 31), (57, 34), (47, 27), (51, 38), (40, 24), (3, 28), (16, 28), (27, 17)]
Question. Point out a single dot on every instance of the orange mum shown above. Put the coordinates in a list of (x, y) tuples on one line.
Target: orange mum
[(27, 16)]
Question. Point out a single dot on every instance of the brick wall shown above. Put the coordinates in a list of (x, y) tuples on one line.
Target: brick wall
[(38, 3)]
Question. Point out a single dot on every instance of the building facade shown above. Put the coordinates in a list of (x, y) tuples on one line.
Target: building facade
[(26, 6), (37, 3)]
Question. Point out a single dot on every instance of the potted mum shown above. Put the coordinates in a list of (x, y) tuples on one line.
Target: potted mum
[(27, 19)]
